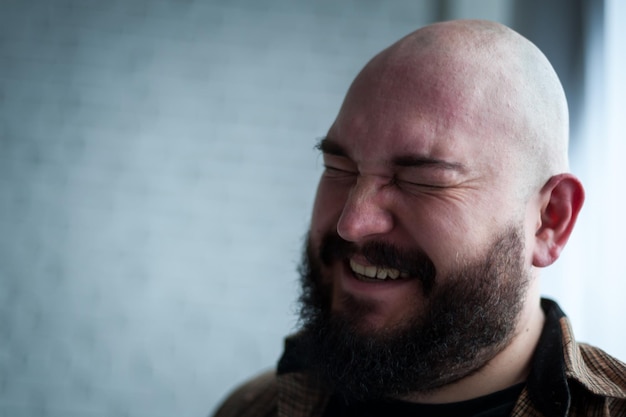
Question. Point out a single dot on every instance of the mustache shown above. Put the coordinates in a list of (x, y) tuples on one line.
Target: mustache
[(415, 262)]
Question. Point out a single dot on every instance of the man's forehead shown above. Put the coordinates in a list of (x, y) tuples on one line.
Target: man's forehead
[(420, 96), (400, 124)]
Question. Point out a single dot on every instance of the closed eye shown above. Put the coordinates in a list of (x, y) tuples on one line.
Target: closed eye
[(338, 166), (420, 187), (427, 177), (334, 171)]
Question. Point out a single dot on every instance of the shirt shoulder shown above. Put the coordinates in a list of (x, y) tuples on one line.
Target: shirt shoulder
[(600, 372), (604, 377), (255, 398)]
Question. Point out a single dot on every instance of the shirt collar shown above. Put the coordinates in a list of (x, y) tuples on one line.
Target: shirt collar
[(547, 383)]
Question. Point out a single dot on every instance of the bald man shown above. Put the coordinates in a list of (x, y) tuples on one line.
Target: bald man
[(446, 189)]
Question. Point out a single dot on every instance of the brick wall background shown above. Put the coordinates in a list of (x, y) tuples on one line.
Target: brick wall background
[(156, 177)]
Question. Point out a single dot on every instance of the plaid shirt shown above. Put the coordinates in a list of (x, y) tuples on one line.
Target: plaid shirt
[(567, 379)]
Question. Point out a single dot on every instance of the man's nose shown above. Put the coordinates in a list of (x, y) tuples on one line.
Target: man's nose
[(366, 212)]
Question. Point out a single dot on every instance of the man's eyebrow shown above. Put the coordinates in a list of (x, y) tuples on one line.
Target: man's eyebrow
[(415, 161), (331, 147)]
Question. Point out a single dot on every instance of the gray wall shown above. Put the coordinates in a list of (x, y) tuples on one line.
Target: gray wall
[(157, 171), (156, 176)]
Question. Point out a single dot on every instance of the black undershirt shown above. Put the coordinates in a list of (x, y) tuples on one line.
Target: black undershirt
[(498, 404)]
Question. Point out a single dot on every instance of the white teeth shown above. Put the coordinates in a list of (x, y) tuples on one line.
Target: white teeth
[(376, 272)]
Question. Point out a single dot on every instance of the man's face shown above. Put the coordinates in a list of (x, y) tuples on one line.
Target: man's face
[(419, 168), (417, 236)]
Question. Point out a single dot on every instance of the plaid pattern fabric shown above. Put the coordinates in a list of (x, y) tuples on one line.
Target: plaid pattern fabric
[(568, 379), (583, 382)]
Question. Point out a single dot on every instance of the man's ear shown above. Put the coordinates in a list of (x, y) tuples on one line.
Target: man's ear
[(561, 200)]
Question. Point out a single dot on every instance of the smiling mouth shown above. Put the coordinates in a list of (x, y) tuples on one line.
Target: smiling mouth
[(372, 273)]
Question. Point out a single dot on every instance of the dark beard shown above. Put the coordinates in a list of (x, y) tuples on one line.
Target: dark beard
[(469, 317)]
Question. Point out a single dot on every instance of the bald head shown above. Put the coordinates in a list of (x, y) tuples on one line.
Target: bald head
[(482, 74)]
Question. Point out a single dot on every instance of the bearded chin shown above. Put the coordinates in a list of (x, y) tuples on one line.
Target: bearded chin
[(469, 316)]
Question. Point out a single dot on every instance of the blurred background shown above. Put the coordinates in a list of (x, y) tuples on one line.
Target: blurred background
[(157, 173)]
